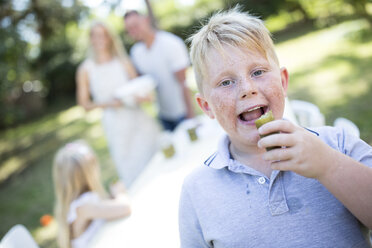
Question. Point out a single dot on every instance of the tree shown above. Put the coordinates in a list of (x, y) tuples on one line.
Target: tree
[(360, 7), (34, 49)]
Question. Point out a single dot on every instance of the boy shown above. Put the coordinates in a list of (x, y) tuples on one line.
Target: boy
[(312, 192)]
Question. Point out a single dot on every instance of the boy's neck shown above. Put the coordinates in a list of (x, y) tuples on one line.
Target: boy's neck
[(252, 159)]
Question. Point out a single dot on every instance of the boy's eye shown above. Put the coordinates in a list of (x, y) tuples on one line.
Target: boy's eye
[(227, 83), (257, 73)]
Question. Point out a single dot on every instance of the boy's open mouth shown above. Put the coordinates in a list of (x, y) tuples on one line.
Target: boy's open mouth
[(253, 114)]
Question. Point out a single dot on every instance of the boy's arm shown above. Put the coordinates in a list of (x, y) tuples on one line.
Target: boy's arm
[(347, 179), (191, 235), (351, 183)]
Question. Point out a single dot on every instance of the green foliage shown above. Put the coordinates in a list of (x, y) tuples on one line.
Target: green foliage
[(180, 19), (27, 192), (39, 39), (320, 12), (337, 76), (34, 49), (262, 8)]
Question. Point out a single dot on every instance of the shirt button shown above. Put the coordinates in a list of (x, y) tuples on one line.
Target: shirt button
[(261, 180)]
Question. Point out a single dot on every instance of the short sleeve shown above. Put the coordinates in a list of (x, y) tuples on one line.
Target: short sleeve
[(191, 235), (347, 143), (87, 197), (356, 148), (177, 52)]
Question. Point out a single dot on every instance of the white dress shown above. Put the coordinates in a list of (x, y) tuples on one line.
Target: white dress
[(131, 134)]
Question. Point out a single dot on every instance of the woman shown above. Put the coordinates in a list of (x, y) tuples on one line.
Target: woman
[(130, 133)]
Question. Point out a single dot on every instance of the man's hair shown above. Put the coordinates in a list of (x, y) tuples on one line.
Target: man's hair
[(131, 12), (231, 28)]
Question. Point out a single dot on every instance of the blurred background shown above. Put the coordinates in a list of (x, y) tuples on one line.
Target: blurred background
[(325, 44)]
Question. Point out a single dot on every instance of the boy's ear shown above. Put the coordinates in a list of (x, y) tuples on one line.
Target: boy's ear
[(284, 78), (203, 104)]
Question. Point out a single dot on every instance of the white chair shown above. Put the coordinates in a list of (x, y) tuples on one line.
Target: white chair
[(288, 112), (347, 125), (307, 114), (18, 237)]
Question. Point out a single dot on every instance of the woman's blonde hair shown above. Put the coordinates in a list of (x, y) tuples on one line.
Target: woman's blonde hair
[(75, 171), (116, 46), (231, 28)]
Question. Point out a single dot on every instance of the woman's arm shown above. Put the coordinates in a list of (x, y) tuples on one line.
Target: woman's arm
[(83, 93), (129, 68)]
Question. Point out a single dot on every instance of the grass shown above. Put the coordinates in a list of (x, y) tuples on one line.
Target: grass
[(329, 67), (26, 187)]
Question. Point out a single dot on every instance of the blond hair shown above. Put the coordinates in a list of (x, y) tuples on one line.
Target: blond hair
[(231, 28), (116, 46), (75, 171)]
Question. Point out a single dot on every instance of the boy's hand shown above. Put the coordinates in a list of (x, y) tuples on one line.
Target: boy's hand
[(302, 151), (307, 155)]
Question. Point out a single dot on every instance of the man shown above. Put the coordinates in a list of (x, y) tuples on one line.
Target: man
[(164, 56)]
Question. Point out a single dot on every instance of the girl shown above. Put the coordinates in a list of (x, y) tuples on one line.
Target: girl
[(81, 202)]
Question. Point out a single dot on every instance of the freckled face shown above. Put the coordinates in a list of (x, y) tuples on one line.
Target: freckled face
[(240, 86)]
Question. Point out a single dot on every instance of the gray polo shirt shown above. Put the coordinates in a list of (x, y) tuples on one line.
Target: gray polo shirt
[(228, 204)]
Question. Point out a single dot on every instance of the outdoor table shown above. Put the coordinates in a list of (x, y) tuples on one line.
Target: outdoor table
[(155, 194)]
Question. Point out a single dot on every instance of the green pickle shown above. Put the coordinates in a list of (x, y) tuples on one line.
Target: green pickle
[(168, 151), (192, 134), (265, 119)]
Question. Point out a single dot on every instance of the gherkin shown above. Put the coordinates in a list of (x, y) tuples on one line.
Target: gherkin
[(265, 119)]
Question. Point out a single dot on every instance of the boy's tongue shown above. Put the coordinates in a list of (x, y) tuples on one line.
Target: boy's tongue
[(251, 115)]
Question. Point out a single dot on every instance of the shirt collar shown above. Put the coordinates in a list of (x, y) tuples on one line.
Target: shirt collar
[(221, 158)]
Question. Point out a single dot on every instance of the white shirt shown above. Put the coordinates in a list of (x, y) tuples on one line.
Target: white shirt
[(167, 55), (83, 240)]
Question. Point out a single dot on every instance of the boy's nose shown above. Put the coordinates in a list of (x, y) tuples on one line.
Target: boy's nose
[(247, 89)]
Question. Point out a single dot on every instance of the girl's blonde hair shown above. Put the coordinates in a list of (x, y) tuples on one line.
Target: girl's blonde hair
[(75, 171), (116, 46), (230, 28)]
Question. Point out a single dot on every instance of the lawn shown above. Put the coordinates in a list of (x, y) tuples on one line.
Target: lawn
[(332, 68), (26, 191), (329, 67)]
